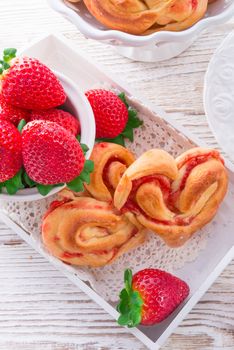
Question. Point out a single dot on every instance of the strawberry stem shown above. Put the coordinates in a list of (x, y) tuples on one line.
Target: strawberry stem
[(130, 304), (8, 55), (21, 125)]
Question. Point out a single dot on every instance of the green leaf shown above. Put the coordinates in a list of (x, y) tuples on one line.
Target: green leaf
[(84, 147), (8, 54), (136, 299), (132, 113), (76, 185), (123, 320), (130, 304), (11, 188), (27, 180), (89, 166), (21, 125), (17, 179), (6, 65), (134, 318), (128, 280), (85, 177), (123, 306), (44, 189), (119, 140), (14, 184), (128, 133), (123, 99), (78, 137)]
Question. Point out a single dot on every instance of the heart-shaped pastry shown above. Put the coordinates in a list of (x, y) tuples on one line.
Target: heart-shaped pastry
[(85, 231), (173, 197)]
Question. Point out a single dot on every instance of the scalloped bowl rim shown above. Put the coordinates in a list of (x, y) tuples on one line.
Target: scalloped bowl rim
[(86, 117), (98, 34)]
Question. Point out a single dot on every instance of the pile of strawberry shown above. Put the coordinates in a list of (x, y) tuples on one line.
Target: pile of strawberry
[(39, 141)]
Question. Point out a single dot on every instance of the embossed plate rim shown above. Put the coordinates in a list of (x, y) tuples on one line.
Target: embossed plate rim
[(213, 73)]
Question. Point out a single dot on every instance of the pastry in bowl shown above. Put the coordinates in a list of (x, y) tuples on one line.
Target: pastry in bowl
[(88, 232), (144, 17), (173, 197)]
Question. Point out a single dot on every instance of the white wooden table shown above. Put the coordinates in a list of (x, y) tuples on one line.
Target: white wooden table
[(41, 309)]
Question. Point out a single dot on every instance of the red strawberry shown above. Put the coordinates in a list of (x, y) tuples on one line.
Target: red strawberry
[(30, 84), (10, 151), (51, 154), (111, 114), (11, 113), (150, 296), (65, 119)]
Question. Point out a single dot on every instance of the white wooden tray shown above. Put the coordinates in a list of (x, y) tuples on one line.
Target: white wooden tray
[(219, 250)]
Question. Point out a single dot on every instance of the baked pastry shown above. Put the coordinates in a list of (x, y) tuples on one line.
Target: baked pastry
[(110, 162), (88, 232), (144, 17), (173, 198)]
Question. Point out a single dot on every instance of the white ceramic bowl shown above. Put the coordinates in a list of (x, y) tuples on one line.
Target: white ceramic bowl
[(154, 47), (79, 106)]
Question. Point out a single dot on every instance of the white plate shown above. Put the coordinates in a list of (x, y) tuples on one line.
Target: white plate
[(219, 95), (201, 273)]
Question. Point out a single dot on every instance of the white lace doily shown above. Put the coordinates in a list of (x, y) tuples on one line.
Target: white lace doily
[(154, 253)]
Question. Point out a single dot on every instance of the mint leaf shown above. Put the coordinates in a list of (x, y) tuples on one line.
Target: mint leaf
[(78, 137)]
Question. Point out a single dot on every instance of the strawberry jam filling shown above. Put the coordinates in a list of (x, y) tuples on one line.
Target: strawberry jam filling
[(131, 204), (194, 4), (106, 170), (159, 180), (169, 197), (68, 255), (192, 162), (114, 251)]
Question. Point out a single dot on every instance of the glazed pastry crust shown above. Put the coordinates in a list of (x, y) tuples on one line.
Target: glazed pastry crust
[(144, 17), (110, 162), (87, 232), (173, 198)]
